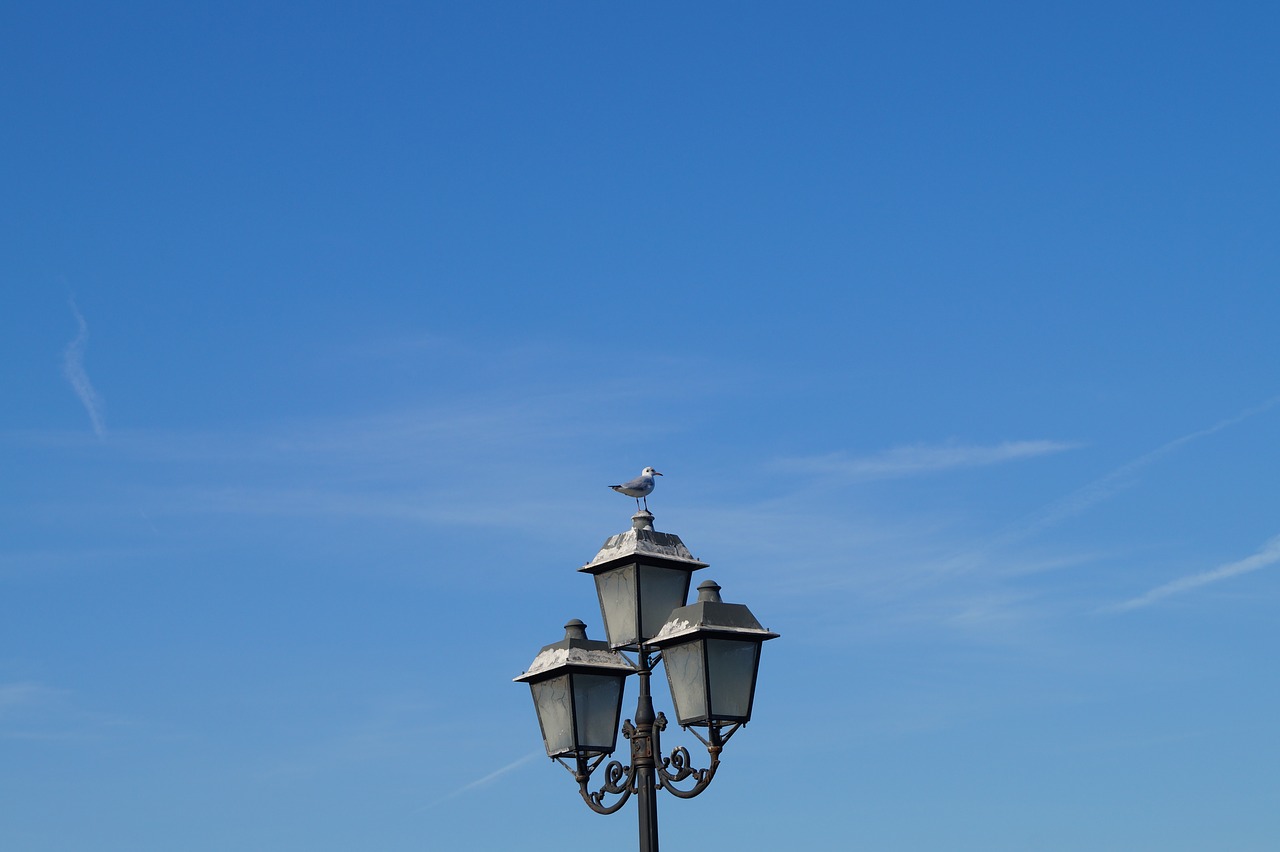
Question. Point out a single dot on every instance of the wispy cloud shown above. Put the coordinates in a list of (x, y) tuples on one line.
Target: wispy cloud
[(941, 573), (1122, 477), (918, 459), (22, 695), (488, 779), (1268, 555), (73, 369), (36, 711)]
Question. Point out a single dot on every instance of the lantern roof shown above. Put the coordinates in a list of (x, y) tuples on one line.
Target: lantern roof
[(575, 652), (642, 542), (710, 614)]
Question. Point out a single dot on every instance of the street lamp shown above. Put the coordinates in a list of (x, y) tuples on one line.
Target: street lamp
[(711, 650), (712, 654), (577, 691)]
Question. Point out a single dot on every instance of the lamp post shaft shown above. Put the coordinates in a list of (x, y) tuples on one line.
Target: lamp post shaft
[(642, 759)]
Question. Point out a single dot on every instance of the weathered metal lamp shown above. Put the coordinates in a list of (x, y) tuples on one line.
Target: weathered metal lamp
[(711, 651), (577, 691), (641, 576)]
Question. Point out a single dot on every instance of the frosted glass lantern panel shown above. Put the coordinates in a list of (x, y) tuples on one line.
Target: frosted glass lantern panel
[(661, 591), (617, 591), (687, 679), (733, 667), (597, 701), (555, 714)]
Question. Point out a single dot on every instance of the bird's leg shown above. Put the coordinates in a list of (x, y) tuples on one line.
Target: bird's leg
[(646, 502)]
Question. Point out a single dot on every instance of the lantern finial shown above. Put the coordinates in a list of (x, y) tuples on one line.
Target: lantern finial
[(709, 592)]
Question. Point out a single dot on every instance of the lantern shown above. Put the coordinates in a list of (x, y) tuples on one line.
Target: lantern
[(641, 576), (577, 692), (711, 651)]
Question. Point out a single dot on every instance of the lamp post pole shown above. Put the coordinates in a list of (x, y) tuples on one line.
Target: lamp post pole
[(710, 650), (642, 759)]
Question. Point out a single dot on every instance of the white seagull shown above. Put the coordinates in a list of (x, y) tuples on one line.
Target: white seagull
[(641, 486)]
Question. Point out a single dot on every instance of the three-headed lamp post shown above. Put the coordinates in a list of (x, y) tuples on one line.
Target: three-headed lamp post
[(711, 652)]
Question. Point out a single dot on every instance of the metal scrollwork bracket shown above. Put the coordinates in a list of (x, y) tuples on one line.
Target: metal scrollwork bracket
[(677, 768), (619, 780)]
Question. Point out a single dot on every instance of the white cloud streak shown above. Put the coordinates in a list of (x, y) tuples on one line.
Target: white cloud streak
[(919, 459), (925, 565), (20, 695), (36, 711), (1268, 555), (73, 369)]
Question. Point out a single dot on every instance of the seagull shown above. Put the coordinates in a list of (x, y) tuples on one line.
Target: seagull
[(641, 486)]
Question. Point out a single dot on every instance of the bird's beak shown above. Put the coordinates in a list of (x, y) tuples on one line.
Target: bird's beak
[(655, 473)]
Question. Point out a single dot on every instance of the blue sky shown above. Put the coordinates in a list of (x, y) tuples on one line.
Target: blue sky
[(952, 328)]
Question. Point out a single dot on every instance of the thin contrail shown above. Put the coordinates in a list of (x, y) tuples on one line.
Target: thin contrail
[(1268, 555), (492, 776), (1106, 486), (73, 369)]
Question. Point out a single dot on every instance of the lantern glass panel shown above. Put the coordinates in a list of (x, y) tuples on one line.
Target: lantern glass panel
[(597, 702), (732, 664), (661, 591), (617, 591), (686, 675), (555, 713)]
